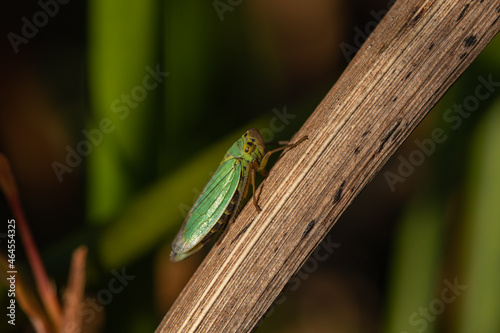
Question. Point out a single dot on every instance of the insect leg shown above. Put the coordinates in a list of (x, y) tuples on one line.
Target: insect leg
[(252, 175), (264, 160)]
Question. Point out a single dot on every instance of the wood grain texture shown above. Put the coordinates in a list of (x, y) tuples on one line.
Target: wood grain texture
[(416, 52)]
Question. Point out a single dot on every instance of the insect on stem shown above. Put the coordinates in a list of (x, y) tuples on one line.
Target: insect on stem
[(220, 200)]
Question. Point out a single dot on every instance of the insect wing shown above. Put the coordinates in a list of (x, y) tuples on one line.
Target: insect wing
[(209, 207)]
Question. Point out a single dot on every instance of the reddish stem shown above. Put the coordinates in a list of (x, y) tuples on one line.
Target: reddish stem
[(45, 288)]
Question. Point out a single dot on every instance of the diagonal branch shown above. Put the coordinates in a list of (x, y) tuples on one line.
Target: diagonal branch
[(414, 55)]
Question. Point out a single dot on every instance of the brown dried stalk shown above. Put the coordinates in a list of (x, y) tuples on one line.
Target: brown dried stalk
[(416, 52)]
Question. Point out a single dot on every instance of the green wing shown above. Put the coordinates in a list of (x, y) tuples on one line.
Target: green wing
[(210, 206)]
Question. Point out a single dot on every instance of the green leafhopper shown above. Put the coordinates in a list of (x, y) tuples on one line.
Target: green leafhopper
[(220, 199)]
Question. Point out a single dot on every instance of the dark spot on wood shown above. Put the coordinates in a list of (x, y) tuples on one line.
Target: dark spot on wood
[(389, 134), (463, 55), (364, 134), (383, 48), (356, 150), (407, 75), (275, 250), (395, 99), (417, 14), (338, 194), (401, 31), (308, 229), (464, 10), (396, 134), (469, 41), (240, 233), (221, 250), (431, 46), (417, 17)]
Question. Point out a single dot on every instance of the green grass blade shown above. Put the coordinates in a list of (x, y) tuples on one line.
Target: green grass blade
[(415, 265), (122, 43), (481, 256)]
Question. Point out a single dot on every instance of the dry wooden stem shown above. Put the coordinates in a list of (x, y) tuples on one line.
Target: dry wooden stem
[(416, 52)]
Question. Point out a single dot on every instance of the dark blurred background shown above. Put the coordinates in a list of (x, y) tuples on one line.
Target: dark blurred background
[(115, 113)]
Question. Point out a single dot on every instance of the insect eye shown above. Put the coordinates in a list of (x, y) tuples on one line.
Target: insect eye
[(249, 147)]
